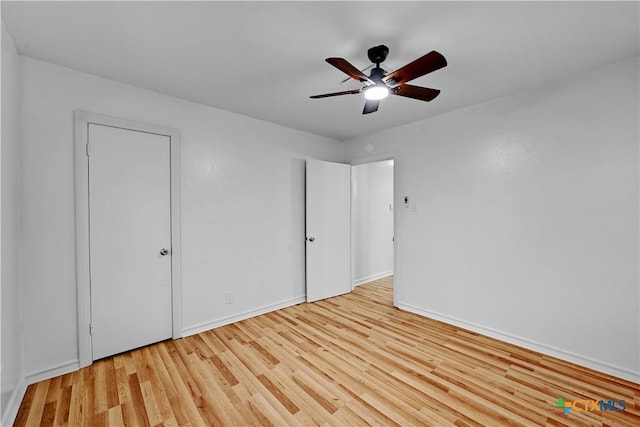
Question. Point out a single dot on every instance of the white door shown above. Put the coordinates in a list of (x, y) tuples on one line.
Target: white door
[(328, 225), (129, 239)]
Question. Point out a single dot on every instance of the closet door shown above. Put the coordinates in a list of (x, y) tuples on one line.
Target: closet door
[(130, 239)]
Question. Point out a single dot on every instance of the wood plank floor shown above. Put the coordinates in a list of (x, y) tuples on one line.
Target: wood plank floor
[(346, 361)]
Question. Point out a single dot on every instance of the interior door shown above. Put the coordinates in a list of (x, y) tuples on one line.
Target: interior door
[(328, 243), (130, 239)]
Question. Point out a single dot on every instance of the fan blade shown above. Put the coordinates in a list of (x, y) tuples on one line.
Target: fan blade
[(344, 66), (416, 92), (370, 107), (428, 63), (346, 92)]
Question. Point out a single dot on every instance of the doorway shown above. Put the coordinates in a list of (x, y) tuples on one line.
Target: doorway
[(127, 235), (355, 203), (372, 219)]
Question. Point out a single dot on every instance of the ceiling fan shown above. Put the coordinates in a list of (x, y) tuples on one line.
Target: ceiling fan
[(378, 84)]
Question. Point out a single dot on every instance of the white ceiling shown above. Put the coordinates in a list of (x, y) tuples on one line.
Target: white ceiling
[(264, 59)]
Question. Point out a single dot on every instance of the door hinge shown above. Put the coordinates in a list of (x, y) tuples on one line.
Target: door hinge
[(90, 329), (87, 148)]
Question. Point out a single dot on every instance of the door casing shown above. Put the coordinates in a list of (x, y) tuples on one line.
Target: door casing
[(82, 120)]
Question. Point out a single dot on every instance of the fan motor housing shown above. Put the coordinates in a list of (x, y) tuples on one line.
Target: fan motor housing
[(377, 74)]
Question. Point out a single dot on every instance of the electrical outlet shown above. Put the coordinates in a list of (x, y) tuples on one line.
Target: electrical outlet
[(228, 297)]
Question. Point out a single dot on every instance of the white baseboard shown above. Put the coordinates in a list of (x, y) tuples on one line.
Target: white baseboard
[(528, 344), (16, 398), (46, 374), (13, 405), (372, 277), (240, 316)]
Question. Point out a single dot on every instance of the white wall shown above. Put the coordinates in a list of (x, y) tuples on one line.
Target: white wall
[(242, 206), (12, 372), (371, 221), (526, 221)]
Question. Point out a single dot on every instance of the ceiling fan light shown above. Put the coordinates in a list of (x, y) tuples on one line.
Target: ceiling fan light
[(376, 92)]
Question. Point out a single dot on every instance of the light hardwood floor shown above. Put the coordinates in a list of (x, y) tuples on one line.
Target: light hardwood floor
[(345, 361)]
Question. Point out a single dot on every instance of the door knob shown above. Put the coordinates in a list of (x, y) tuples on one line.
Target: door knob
[(312, 239), (164, 251)]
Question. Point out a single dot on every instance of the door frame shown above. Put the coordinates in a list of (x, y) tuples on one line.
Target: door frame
[(82, 120), (396, 202)]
